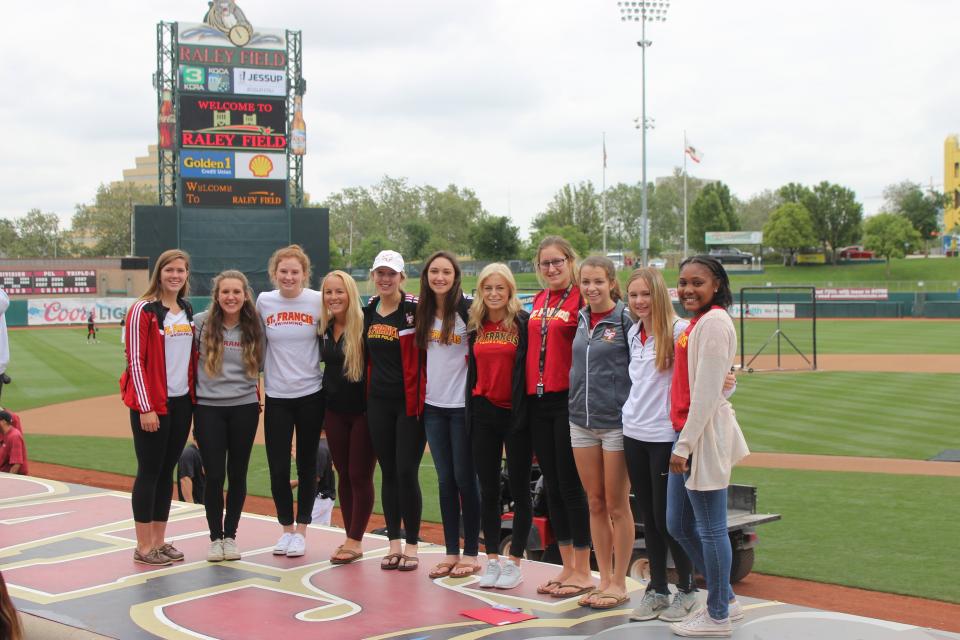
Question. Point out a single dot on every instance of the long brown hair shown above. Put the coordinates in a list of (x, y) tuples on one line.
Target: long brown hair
[(250, 328), (478, 309), (605, 263), (427, 306), (662, 314), (153, 291), (566, 249), (10, 628), (353, 329)]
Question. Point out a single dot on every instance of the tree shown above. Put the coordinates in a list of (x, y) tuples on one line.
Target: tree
[(367, 250), (712, 211), (789, 229), (921, 208), (890, 235), (835, 212), (417, 236), (9, 240), (575, 206), (756, 211), (573, 235), (451, 215), (494, 238), (39, 234), (103, 228)]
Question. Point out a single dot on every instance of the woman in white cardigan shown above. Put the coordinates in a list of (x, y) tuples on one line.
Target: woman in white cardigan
[(710, 442)]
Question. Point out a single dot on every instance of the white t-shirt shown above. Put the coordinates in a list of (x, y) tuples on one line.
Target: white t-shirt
[(646, 413), (177, 344), (447, 367), (291, 368)]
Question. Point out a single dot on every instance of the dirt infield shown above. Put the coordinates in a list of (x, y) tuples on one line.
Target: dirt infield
[(887, 606)]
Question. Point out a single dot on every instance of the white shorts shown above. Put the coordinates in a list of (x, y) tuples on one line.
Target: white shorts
[(609, 439)]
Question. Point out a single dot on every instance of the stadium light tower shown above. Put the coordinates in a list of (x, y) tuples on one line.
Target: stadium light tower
[(644, 11)]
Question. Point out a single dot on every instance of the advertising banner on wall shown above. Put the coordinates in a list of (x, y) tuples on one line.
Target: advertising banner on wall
[(268, 194), (206, 79), (762, 310), (230, 164), (47, 282), (260, 82), (233, 123), (48, 311)]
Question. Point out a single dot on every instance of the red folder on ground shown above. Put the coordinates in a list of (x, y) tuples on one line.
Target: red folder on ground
[(496, 617)]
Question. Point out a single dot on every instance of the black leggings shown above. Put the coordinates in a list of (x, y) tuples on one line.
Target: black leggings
[(550, 428), (399, 441), (648, 464), (225, 437), (157, 455), (281, 416), (490, 431)]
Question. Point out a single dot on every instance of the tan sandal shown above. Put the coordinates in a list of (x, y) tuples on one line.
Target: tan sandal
[(473, 569), (615, 600), (391, 561), (442, 570)]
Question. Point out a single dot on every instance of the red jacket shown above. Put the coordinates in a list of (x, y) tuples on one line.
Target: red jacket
[(144, 383), (412, 359)]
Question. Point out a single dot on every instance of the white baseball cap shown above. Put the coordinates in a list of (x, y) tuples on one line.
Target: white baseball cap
[(390, 259)]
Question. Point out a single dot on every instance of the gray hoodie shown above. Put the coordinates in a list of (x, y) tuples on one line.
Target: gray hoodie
[(233, 386), (600, 371)]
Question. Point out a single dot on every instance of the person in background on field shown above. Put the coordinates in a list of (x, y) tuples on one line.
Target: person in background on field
[(395, 406), (293, 380), (91, 328), (344, 382), (710, 441), (442, 333), (123, 329), (552, 326), (230, 340), (158, 386), (13, 450), (10, 626), (599, 385), (4, 344), (191, 480), (496, 417)]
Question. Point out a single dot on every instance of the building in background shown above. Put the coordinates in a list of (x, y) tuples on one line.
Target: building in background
[(951, 184)]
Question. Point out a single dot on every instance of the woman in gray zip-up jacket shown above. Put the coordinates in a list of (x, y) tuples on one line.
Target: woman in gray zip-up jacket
[(599, 385)]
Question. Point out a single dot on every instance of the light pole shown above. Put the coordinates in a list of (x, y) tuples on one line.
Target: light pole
[(642, 11)]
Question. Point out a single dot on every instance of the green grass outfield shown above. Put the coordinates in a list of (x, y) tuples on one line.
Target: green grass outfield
[(882, 532)]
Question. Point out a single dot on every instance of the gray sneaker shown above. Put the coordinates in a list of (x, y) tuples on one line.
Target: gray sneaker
[(735, 611), (651, 606), (682, 606), (230, 551), (510, 576), (489, 578), (215, 552)]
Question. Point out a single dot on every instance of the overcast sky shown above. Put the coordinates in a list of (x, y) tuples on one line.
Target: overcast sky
[(511, 97)]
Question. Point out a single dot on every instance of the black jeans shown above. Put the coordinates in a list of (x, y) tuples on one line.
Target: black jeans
[(225, 437), (399, 441), (490, 432), (550, 428), (157, 455), (648, 464), (281, 416)]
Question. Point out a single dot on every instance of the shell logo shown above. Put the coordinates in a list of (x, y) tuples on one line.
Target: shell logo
[(260, 166)]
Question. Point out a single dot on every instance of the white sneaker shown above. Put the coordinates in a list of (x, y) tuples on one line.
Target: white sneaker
[(489, 578), (297, 547), (701, 625), (681, 607), (510, 576), (735, 611), (280, 549), (230, 551), (215, 552)]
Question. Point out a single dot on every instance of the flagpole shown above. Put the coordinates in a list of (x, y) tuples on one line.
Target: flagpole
[(685, 245), (603, 193)]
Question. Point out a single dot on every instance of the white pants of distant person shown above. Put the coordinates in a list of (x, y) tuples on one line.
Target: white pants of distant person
[(322, 510)]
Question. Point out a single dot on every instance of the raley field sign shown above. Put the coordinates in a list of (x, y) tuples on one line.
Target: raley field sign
[(235, 193), (232, 57), (233, 123)]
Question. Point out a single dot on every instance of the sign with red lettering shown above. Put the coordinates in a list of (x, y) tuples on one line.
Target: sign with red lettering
[(254, 194), (43, 311), (25, 283), (232, 57), (226, 122)]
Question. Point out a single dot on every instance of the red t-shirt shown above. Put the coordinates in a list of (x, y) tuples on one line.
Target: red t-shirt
[(495, 350), (13, 451), (561, 328), (680, 384), (596, 317)]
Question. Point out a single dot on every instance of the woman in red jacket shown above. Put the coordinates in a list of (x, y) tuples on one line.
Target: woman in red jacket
[(158, 387)]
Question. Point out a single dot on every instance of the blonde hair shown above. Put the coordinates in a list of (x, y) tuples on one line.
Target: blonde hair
[(566, 249), (353, 361), (251, 331), (605, 263), (478, 309), (294, 251), (662, 314), (168, 256)]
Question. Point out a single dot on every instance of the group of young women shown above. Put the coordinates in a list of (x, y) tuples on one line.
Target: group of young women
[(605, 392)]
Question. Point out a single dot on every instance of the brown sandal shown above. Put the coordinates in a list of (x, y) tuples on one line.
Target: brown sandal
[(473, 569), (442, 570), (350, 553), (615, 600), (405, 559), (579, 590), (391, 561), (547, 588)]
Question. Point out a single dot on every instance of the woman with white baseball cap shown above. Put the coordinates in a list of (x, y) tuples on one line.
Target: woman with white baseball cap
[(395, 401)]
